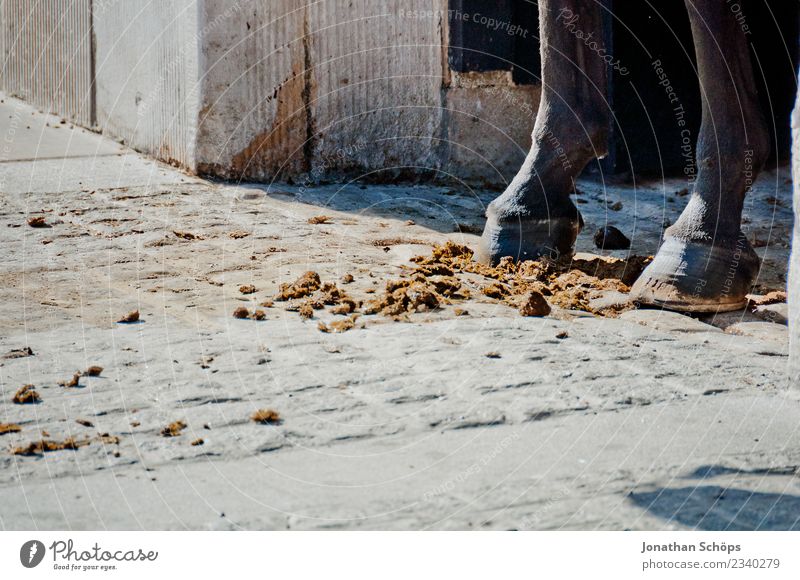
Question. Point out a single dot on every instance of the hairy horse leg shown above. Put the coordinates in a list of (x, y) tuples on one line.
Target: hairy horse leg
[(535, 215), (705, 263)]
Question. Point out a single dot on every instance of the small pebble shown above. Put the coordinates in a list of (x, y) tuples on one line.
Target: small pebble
[(610, 238)]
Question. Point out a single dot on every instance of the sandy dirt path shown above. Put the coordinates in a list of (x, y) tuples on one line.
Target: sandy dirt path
[(646, 421)]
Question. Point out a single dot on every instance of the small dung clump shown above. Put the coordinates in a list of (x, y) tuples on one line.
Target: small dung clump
[(339, 326), (347, 306), (9, 428), (304, 286), (247, 289), (173, 429), (774, 297), (73, 382), (241, 312), (534, 305), (132, 316), (46, 445), (26, 395), (18, 353), (319, 219), (495, 290), (347, 279), (186, 235), (405, 296), (108, 439), (259, 315), (238, 234), (84, 422), (196, 442), (306, 310), (38, 222), (94, 371), (266, 416)]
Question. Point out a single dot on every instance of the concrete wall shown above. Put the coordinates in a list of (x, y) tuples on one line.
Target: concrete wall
[(351, 88), (46, 55), (279, 89), (295, 87), (794, 268), (252, 117), (148, 74), (489, 131)]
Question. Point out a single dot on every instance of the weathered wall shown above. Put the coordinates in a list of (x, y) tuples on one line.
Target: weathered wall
[(253, 114), (147, 75), (273, 90), (379, 85), (794, 272), (333, 87), (489, 131), (46, 55)]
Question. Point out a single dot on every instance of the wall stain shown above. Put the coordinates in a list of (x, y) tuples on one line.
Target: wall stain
[(286, 148)]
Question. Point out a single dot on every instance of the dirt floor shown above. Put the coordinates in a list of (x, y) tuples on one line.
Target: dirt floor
[(449, 410)]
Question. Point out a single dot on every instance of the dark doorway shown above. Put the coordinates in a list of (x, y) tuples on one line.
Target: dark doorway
[(654, 41), (495, 35)]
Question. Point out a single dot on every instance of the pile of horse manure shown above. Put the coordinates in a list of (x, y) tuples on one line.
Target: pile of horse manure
[(304, 286), (570, 283), (449, 274)]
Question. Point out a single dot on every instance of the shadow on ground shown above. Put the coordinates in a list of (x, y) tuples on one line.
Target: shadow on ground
[(713, 508), (441, 209)]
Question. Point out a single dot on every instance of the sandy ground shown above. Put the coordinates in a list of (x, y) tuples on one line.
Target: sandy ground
[(652, 420)]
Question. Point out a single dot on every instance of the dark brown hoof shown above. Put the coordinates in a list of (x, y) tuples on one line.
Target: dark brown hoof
[(696, 277), (528, 239)]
